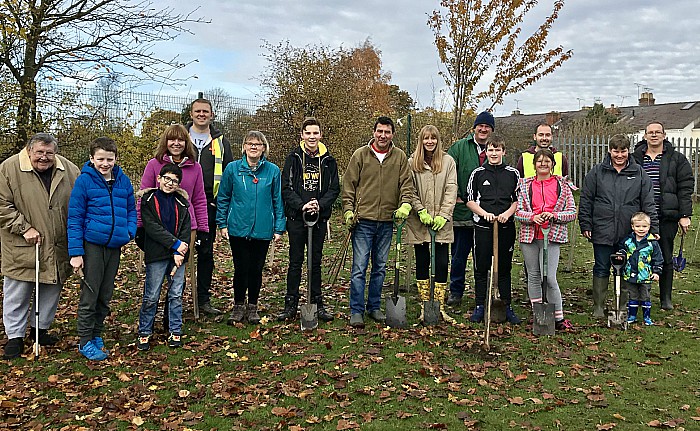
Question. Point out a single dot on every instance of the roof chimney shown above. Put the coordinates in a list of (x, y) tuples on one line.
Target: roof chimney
[(646, 99), (552, 117)]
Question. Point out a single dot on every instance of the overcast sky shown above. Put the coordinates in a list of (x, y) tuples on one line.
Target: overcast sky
[(616, 44)]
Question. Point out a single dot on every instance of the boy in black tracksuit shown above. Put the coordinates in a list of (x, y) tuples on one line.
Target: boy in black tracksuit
[(492, 196), (309, 184)]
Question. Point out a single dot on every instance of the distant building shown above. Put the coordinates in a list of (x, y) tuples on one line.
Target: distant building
[(680, 119)]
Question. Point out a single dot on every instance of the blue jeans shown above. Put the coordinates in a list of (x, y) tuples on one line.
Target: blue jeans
[(369, 238), (601, 255), (155, 272), (461, 247)]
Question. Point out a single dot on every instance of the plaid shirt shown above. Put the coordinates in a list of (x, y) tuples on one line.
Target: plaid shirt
[(564, 212)]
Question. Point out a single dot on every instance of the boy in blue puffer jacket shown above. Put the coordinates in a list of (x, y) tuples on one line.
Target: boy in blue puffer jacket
[(101, 219), (644, 263)]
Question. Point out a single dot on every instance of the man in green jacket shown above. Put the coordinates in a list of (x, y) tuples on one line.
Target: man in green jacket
[(469, 153), (35, 187), (377, 186)]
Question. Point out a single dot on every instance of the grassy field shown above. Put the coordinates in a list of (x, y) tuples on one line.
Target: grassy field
[(274, 377)]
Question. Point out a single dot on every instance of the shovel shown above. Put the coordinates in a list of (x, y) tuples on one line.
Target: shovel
[(309, 311), (492, 281), (543, 313), (679, 261), (395, 304), (618, 317), (431, 308)]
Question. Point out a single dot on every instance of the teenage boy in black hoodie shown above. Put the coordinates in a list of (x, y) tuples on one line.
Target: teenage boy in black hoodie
[(309, 184)]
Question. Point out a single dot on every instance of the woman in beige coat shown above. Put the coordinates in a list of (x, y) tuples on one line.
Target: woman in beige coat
[(435, 180)]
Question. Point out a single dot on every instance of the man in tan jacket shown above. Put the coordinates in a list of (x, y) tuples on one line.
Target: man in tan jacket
[(35, 186)]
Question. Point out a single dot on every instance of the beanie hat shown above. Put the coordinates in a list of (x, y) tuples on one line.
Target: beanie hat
[(485, 118)]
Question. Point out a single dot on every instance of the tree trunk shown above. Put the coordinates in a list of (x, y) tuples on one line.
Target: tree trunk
[(26, 112)]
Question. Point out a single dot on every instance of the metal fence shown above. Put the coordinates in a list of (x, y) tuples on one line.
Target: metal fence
[(584, 152), (78, 114)]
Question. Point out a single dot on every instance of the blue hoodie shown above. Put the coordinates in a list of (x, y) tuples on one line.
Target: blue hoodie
[(249, 202), (99, 215)]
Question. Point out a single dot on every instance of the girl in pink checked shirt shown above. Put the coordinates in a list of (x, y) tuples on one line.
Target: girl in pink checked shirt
[(544, 199)]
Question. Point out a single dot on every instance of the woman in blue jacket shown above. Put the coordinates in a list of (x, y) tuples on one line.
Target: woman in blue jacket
[(250, 214)]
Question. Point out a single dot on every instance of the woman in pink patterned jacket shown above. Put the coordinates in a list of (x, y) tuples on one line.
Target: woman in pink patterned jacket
[(544, 200)]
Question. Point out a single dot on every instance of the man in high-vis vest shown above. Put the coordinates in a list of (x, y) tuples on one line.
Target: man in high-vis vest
[(213, 154), (543, 139)]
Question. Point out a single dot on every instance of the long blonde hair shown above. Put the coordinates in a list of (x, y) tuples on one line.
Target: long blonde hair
[(418, 155)]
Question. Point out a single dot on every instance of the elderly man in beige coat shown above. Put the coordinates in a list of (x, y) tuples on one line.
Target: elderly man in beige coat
[(434, 175), (35, 186)]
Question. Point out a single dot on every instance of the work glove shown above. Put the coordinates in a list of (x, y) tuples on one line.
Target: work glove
[(349, 217), (424, 217), (439, 223), (403, 211)]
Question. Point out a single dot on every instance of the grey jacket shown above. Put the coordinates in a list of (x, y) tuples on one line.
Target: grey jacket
[(609, 198)]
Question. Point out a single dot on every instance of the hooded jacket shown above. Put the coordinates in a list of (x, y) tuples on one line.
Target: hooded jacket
[(98, 214), (374, 190), (293, 177), (610, 198), (249, 203), (676, 181), (643, 258), (192, 183), (158, 242), (25, 203)]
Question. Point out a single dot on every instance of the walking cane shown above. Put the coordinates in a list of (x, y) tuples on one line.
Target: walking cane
[(36, 301)]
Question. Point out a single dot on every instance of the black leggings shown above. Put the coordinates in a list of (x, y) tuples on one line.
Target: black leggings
[(423, 261), (248, 263)]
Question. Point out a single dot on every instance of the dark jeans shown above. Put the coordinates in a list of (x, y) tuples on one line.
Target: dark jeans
[(423, 261), (483, 250), (205, 259), (298, 238), (461, 247), (100, 268), (248, 263), (601, 256)]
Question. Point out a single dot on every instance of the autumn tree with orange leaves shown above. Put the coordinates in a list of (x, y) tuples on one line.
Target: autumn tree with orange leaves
[(345, 88), (476, 36)]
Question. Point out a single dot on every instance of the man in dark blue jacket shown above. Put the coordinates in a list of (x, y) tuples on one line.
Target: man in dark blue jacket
[(612, 191), (309, 185), (672, 178)]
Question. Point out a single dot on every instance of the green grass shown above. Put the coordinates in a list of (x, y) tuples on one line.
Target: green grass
[(273, 376)]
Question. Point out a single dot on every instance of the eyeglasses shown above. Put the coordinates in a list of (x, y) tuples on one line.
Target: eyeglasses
[(47, 154), (170, 180), (254, 145), (655, 132)]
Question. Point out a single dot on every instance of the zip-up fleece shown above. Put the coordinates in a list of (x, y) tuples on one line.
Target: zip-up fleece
[(374, 190)]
